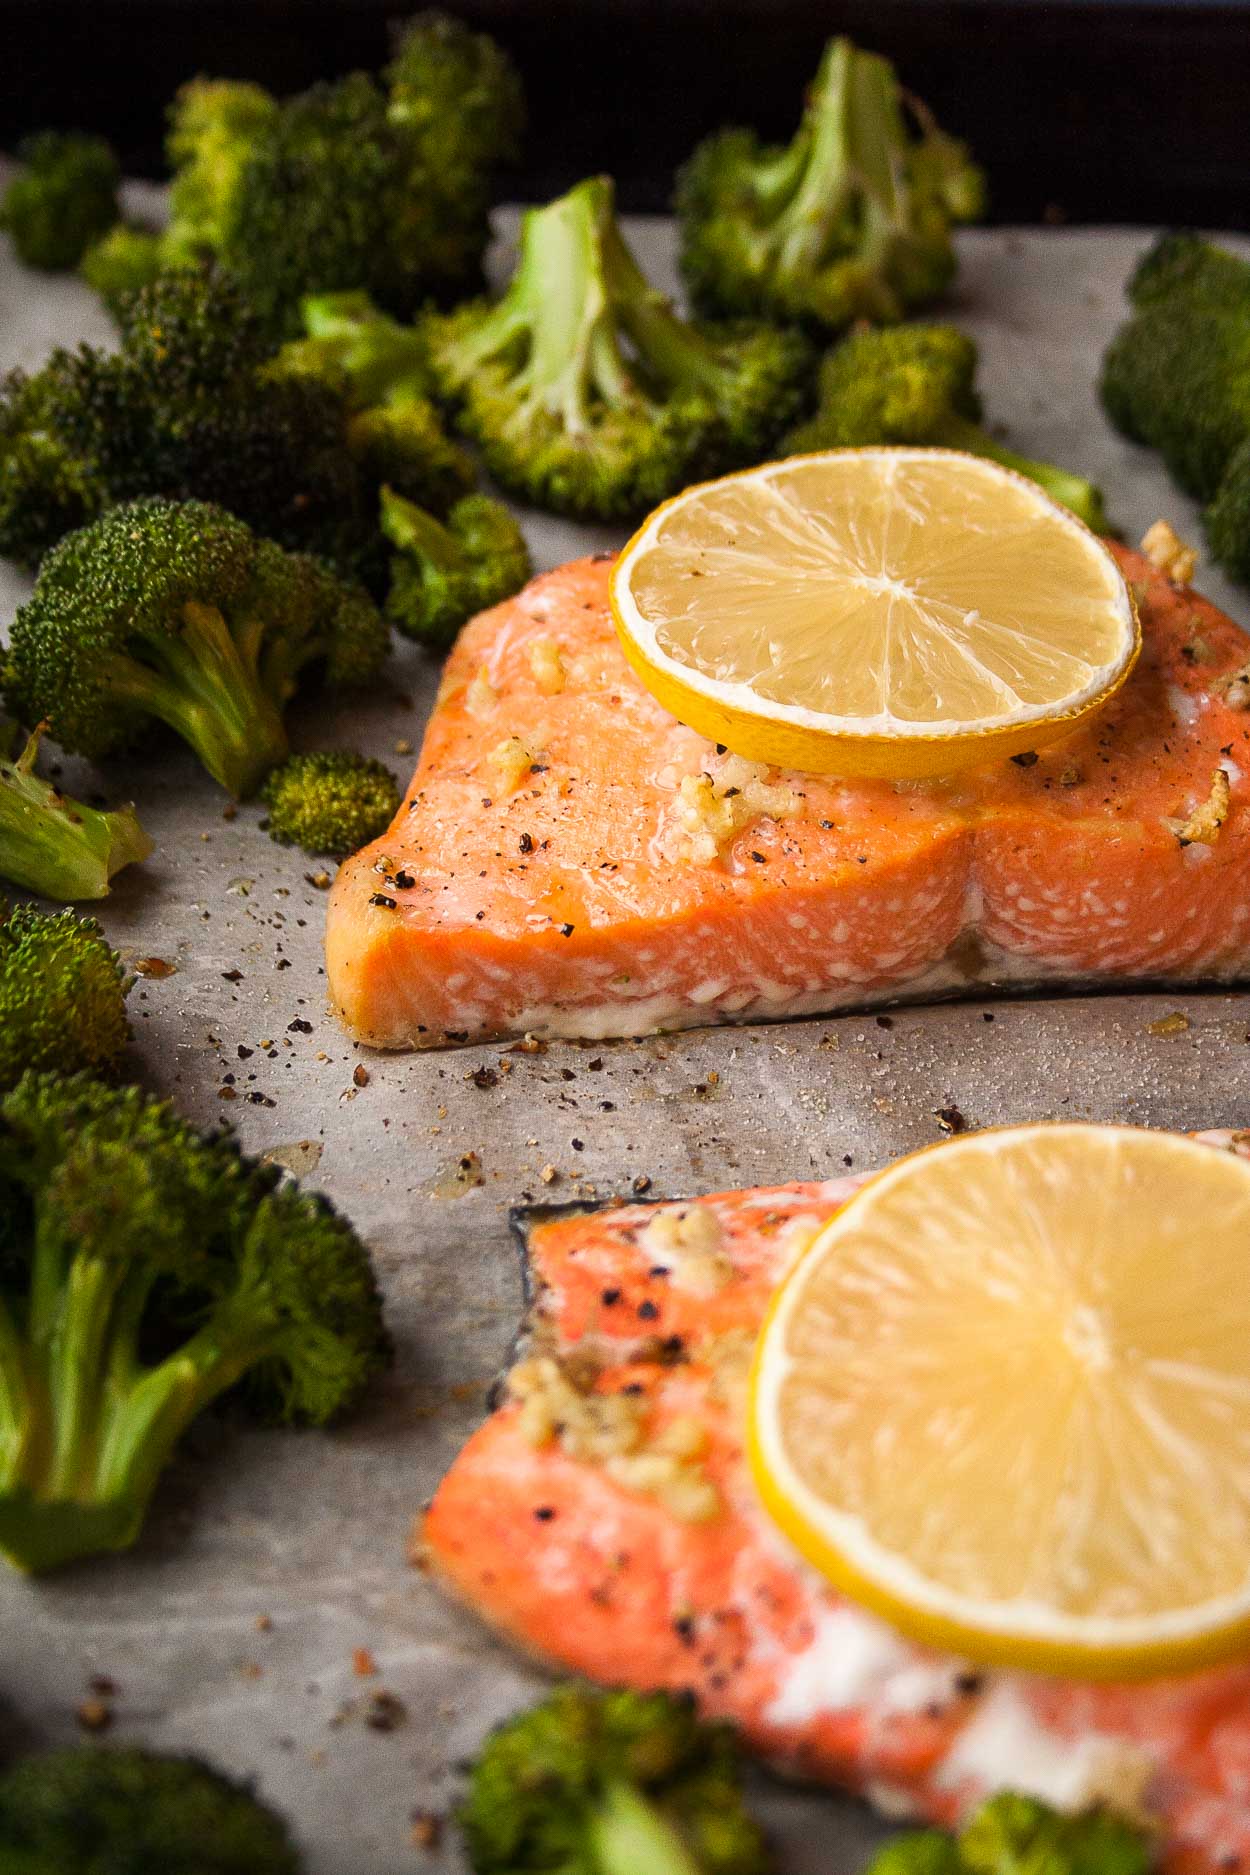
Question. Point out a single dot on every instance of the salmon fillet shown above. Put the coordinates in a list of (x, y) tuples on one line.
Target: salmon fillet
[(548, 872), (626, 1578)]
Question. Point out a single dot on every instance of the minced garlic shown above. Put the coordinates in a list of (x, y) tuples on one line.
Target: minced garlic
[(609, 1429), (1202, 826), (547, 666), (713, 809), (688, 1240), (1165, 549), (512, 761), (1235, 688), (481, 697)]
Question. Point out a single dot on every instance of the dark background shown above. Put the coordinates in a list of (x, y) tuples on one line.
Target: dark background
[(1085, 110)]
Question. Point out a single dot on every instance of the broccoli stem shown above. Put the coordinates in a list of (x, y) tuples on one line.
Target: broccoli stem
[(629, 1836), (667, 347), (208, 691), (819, 199), (417, 532), (1074, 492), (56, 846)]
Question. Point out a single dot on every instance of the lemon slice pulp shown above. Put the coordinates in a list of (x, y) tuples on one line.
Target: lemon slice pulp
[(897, 612), (1004, 1400)]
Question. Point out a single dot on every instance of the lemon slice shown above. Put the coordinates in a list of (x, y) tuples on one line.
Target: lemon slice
[(897, 612), (1004, 1400)]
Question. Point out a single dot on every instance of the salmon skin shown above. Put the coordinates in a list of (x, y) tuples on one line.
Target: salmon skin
[(603, 1518), (560, 866)]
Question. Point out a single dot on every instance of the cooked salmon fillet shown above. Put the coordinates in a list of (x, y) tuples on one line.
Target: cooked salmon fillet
[(657, 1568), (549, 872)]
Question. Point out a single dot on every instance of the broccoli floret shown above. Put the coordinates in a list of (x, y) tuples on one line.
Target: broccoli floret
[(616, 1783), (852, 220), (214, 125), (1177, 377), (1012, 1835), (53, 844), (378, 364), (46, 488), (333, 802), (146, 1270), (445, 573), (62, 995), (85, 1811), (64, 199), (178, 612), (585, 391), (122, 263), (186, 408), (915, 385)]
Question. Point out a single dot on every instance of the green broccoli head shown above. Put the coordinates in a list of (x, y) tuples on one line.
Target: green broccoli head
[(64, 199), (852, 220), (150, 1815), (62, 995), (1014, 1835), (444, 574), (147, 1270), (121, 263), (353, 344), (1227, 517), (1177, 376), (584, 390), (616, 1783), (214, 125), (403, 443), (46, 488), (332, 802), (176, 611), (915, 385), (54, 845)]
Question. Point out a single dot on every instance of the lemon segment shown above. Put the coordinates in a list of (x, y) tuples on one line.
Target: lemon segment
[(894, 612), (1004, 1400)]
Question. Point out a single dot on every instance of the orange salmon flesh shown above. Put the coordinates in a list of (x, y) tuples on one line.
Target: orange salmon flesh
[(538, 875), (604, 1573)]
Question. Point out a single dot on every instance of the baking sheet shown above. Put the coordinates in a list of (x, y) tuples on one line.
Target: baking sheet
[(270, 1557)]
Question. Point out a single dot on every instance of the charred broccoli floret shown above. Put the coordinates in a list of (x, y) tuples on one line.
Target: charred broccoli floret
[(176, 611), (88, 1811), (214, 125), (332, 802), (147, 1269), (615, 1783), (1012, 1834), (1177, 377), (62, 996), (444, 573), (52, 844), (852, 220), (585, 391), (188, 407), (63, 199), (122, 263), (915, 385)]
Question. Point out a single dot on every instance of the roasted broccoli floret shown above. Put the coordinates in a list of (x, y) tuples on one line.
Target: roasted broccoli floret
[(188, 407), (53, 844), (1013, 1835), (915, 385), (445, 573), (146, 1270), (46, 488), (378, 365), (62, 996), (585, 391), (122, 263), (615, 1783), (1177, 377), (214, 125), (852, 220), (176, 611), (332, 802), (64, 198), (89, 1811)]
